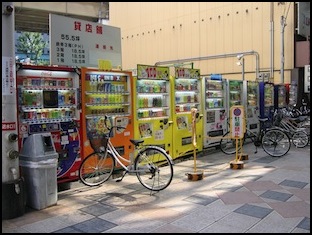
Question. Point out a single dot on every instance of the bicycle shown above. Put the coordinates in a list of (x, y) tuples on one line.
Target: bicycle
[(152, 165), (274, 141), (298, 135)]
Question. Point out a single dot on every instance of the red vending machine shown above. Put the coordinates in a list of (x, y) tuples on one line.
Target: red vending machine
[(48, 101), (106, 93)]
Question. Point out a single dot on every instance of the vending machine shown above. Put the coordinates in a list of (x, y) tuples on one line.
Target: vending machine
[(49, 101), (266, 99), (293, 94), (214, 100), (106, 93), (251, 105), (152, 118), (186, 94), (281, 95), (235, 93)]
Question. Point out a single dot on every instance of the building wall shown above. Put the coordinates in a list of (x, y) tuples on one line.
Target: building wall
[(166, 31)]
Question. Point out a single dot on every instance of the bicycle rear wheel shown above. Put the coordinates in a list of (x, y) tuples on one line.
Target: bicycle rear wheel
[(96, 168), (154, 168), (228, 145), (300, 139), (275, 142)]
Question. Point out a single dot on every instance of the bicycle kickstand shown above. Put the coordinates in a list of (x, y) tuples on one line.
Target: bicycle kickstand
[(123, 175), (256, 151)]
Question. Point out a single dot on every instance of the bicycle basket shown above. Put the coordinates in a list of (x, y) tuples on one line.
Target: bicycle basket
[(98, 141)]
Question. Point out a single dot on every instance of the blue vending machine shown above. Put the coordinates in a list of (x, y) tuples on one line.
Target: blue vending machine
[(266, 99)]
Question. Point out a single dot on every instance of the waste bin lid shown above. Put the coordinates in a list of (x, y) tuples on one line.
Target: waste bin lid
[(38, 144), (38, 158)]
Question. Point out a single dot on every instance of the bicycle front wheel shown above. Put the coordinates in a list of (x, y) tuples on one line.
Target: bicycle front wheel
[(275, 142), (300, 139), (228, 145), (96, 168), (154, 168)]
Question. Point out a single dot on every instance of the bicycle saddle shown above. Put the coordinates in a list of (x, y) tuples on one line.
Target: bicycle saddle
[(136, 142)]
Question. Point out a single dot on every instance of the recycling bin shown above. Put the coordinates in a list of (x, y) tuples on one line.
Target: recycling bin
[(38, 164)]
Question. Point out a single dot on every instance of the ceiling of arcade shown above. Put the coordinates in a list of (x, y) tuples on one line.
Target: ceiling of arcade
[(34, 16)]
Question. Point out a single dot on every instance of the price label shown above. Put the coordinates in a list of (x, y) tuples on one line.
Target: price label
[(104, 65)]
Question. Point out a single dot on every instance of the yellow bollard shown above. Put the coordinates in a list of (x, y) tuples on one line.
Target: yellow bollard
[(194, 176), (237, 163)]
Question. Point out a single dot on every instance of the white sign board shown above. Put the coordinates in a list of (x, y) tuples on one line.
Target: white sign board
[(75, 42), (307, 78), (8, 76)]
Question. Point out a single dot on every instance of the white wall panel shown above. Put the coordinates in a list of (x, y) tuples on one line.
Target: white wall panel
[(203, 30), (195, 36)]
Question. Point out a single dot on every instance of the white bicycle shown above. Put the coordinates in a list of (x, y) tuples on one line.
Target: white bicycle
[(152, 165)]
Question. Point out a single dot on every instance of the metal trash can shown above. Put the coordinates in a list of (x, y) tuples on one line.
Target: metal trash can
[(38, 162)]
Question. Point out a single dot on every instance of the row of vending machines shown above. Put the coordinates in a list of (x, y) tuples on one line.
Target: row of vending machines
[(71, 103), (259, 99)]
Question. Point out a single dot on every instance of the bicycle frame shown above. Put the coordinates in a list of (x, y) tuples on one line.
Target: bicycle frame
[(289, 127), (112, 150)]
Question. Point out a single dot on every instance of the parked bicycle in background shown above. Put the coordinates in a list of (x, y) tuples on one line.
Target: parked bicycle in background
[(274, 141), (284, 119)]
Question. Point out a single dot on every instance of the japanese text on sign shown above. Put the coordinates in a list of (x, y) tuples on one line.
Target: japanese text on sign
[(75, 42), (237, 121), (8, 76)]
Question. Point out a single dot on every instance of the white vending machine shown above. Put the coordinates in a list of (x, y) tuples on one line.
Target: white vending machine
[(215, 110)]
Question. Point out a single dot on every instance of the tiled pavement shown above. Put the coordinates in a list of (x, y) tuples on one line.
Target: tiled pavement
[(269, 195)]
